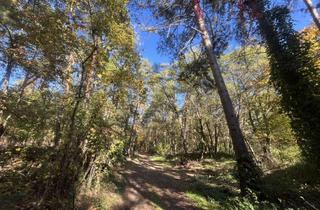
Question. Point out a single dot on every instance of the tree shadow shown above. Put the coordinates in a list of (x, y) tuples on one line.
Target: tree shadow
[(166, 187), (297, 186)]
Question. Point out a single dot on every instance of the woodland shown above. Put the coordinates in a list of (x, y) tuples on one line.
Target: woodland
[(86, 122)]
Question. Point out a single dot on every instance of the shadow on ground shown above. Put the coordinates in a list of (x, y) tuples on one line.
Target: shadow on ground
[(297, 186), (156, 182)]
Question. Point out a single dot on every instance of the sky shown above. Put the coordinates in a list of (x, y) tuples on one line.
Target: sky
[(148, 42)]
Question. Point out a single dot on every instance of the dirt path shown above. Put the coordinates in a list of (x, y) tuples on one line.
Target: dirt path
[(154, 185)]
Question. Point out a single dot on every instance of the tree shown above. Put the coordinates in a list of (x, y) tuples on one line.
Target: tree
[(79, 66), (294, 73), (248, 172), (314, 13)]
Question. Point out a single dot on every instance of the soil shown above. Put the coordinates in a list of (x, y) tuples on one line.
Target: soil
[(154, 185)]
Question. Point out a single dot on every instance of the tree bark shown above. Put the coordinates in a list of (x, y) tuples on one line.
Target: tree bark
[(249, 174), (314, 13)]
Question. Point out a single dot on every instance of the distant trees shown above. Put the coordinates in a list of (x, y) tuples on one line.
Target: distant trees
[(257, 104), (197, 107), (185, 22)]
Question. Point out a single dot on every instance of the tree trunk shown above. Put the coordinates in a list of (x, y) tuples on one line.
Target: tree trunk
[(249, 174), (133, 133), (254, 129), (67, 83), (185, 126), (68, 74), (216, 138), (91, 70), (314, 13), (211, 150), (267, 154), (4, 84), (203, 137)]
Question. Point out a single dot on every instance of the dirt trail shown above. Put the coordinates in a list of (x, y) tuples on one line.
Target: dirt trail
[(152, 184)]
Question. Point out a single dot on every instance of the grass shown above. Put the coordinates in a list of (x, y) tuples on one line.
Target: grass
[(201, 201), (158, 158), (163, 161), (295, 186), (212, 188)]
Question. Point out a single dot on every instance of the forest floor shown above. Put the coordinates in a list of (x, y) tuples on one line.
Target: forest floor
[(153, 183)]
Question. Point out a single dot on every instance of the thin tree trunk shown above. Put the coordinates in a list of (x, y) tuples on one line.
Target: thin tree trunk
[(314, 13), (68, 74), (211, 139), (57, 130), (249, 174), (90, 72), (185, 126), (204, 138), (216, 138), (67, 83), (269, 161), (133, 133), (4, 84), (252, 121)]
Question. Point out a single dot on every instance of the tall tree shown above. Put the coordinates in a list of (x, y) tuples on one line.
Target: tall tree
[(294, 73), (248, 172)]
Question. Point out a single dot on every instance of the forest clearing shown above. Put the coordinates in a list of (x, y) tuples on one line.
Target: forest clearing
[(159, 104)]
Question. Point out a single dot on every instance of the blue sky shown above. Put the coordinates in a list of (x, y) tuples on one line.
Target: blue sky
[(148, 41)]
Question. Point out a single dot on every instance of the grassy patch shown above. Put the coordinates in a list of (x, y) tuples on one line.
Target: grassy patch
[(219, 199), (105, 194), (218, 188), (296, 186), (214, 183), (103, 198), (162, 161), (288, 155), (201, 201), (249, 202), (158, 158)]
